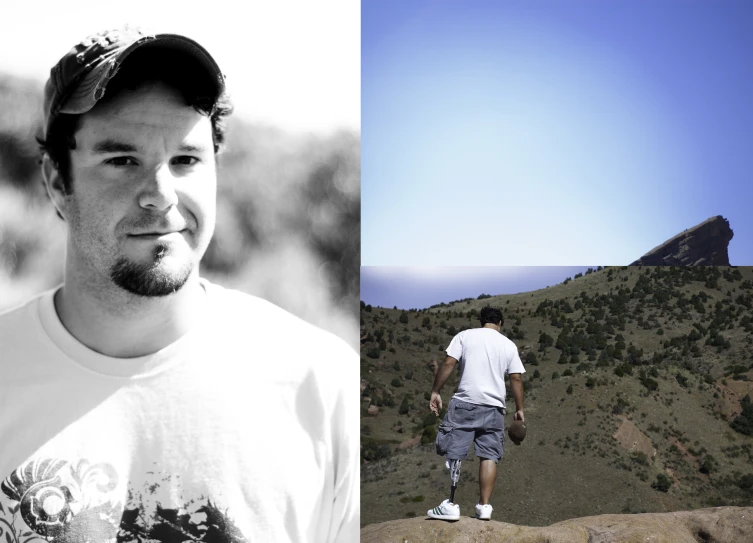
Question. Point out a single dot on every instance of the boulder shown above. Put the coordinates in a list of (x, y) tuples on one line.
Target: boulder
[(702, 245), (718, 524)]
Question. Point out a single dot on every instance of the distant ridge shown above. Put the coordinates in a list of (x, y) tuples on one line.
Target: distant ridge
[(702, 245)]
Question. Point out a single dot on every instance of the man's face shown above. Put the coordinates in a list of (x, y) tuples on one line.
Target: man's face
[(142, 207)]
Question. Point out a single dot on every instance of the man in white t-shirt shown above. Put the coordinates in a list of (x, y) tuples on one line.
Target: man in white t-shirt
[(476, 411), (138, 401)]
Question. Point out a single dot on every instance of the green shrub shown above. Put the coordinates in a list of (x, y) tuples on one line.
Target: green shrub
[(374, 352), (371, 450), (743, 423), (396, 382), (662, 483), (429, 420), (429, 435)]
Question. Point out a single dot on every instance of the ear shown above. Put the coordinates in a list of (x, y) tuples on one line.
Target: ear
[(53, 182)]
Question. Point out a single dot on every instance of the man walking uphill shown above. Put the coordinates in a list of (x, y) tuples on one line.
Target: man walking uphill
[(476, 411)]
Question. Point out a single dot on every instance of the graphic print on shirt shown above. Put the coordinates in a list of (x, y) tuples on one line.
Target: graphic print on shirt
[(54, 500)]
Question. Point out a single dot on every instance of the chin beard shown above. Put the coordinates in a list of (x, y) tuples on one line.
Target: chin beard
[(149, 280)]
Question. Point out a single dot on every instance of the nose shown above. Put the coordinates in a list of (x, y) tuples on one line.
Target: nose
[(158, 192)]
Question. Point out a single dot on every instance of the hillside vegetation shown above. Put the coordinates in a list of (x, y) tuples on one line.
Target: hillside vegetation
[(288, 215), (638, 389)]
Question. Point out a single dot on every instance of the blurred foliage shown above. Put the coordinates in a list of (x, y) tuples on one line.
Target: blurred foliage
[(288, 215)]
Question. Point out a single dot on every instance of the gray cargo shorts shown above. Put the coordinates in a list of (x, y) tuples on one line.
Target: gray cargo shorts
[(467, 423)]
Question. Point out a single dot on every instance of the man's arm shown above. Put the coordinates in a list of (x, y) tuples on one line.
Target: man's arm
[(443, 373), (516, 384)]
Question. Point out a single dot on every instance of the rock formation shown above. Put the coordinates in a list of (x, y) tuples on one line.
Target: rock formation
[(719, 524), (703, 245)]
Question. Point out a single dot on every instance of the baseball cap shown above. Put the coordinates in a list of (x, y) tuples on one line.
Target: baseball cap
[(78, 81)]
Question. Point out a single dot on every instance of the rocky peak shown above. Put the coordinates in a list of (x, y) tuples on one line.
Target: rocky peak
[(702, 245)]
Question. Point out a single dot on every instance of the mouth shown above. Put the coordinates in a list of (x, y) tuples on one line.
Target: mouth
[(157, 235)]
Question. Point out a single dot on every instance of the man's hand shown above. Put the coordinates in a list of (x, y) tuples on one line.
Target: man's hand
[(519, 416), (440, 378), (435, 404)]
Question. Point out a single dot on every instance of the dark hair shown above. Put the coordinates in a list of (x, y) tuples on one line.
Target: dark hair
[(491, 315), (144, 66)]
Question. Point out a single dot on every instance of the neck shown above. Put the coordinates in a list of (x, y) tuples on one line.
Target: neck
[(496, 327), (116, 323)]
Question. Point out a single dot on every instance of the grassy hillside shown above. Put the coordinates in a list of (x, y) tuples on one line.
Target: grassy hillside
[(288, 221), (636, 380)]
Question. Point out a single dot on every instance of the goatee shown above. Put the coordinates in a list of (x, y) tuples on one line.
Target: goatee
[(149, 280)]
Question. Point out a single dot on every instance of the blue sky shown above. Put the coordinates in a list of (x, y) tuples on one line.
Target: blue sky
[(420, 287), (552, 132)]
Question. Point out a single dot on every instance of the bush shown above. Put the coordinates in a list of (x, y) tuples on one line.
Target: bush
[(745, 482), (374, 352), (404, 406), (429, 420), (429, 435), (708, 464), (371, 450), (743, 423), (531, 359), (569, 389), (662, 483), (396, 382), (404, 317)]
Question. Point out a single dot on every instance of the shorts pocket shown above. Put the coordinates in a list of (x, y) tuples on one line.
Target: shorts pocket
[(443, 438), (466, 414)]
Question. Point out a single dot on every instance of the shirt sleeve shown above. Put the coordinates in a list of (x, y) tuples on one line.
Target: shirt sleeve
[(455, 350), (515, 365)]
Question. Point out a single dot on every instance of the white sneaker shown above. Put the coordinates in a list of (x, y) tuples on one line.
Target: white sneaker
[(484, 512), (445, 511)]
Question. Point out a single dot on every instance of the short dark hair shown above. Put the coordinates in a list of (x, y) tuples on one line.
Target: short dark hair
[(144, 66), (491, 315)]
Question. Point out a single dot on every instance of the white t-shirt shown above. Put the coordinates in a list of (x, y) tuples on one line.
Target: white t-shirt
[(485, 356), (244, 429)]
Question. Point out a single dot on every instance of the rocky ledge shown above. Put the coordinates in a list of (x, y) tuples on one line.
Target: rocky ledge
[(703, 245), (718, 524)]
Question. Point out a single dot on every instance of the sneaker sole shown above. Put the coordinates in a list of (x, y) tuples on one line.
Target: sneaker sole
[(440, 516), (443, 517)]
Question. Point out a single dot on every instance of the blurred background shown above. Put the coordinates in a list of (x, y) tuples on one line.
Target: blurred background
[(288, 224)]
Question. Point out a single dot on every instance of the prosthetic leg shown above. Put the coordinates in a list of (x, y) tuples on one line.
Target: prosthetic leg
[(454, 466)]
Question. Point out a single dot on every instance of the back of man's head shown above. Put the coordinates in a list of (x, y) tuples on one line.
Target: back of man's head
[(491, 315)]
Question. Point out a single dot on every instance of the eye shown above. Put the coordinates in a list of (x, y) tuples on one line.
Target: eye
[(185, 160), (121, 161)]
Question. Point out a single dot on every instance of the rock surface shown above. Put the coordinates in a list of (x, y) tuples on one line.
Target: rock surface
[(718, 524), (703, 245)]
